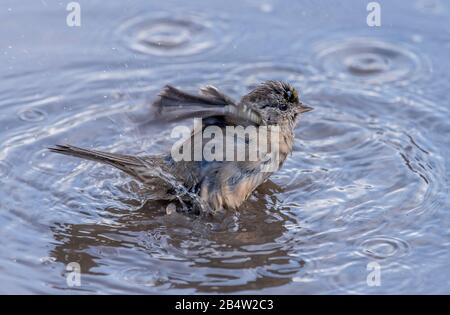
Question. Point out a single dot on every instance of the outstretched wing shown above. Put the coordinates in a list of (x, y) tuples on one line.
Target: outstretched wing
[(216, 96), (211, 105)]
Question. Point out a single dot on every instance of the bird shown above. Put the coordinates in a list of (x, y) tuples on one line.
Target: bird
[(212, 186)]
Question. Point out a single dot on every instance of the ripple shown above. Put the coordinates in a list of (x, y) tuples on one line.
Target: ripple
[(361, 186), (32, 115), (363, 163), (46, 162), (366, 63), (166, 36), (336, 136), (352, 278), (5, 169), (140, 276), (356, 164), (368, 60), (382, 247)]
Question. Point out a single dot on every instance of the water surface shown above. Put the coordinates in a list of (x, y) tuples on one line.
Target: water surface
[(367, 181)]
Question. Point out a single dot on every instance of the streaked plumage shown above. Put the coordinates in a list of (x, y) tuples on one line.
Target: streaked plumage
[(215, 184)]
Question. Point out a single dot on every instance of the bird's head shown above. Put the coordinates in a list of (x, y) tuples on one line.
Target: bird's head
[(277, 102)]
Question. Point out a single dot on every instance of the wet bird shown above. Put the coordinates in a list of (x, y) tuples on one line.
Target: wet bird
[(211, 185)]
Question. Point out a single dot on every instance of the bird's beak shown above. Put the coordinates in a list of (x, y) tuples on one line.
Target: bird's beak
[(303, 108)]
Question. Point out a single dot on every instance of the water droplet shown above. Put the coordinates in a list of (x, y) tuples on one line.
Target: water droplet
[(47, 260), (266, 7), (416, 38), (171, 208)]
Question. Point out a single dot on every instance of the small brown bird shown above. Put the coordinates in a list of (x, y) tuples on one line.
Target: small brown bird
[(212, 185)]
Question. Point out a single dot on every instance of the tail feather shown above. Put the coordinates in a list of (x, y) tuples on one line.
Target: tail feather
[(152, 171), (134, 166)]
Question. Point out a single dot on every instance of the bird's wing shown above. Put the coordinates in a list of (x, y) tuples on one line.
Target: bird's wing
[(217, 96), (212, 105)]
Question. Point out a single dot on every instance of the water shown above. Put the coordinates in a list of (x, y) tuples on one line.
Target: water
[(367, 182)]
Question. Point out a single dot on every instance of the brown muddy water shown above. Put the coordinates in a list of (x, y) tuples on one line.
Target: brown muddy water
[(367, 184)]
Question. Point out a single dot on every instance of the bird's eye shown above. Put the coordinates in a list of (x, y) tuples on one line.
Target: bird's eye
[(283, 106)]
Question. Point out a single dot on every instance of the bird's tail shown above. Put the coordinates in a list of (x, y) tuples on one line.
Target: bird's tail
[(135, 166)]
